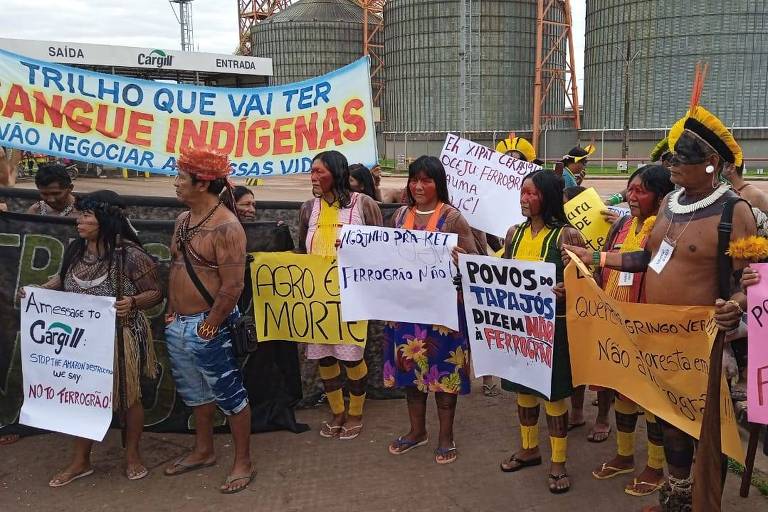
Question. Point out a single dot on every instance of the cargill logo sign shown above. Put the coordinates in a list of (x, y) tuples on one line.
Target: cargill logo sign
[(156, 58), (57, 333)]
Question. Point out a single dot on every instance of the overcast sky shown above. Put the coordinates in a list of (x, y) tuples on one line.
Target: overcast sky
[(151, 23)]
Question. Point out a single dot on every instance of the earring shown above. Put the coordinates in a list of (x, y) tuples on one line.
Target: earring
[(710, 169)]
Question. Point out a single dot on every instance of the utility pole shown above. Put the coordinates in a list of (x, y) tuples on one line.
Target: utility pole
[(185, 23), (625, 136)]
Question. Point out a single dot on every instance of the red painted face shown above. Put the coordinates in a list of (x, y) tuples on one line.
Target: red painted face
[(642, 202), (321, 177), (530, 199), (422, 189)]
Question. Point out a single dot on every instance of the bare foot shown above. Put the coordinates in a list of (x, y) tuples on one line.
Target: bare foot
[(599, 433)]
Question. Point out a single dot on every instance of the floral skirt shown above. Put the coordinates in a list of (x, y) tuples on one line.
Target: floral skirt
[(428, 357)]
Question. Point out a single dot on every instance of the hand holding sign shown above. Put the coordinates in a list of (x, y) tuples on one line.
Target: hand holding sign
[(584, 212)]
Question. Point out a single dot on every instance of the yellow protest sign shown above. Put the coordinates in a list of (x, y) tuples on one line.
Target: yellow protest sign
[(583, 212), (296, 298), (655, 355)]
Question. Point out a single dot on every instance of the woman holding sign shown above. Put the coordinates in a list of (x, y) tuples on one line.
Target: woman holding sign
[(646, 188), (424, 358), (319, 222), (90, 266), (539, 238)]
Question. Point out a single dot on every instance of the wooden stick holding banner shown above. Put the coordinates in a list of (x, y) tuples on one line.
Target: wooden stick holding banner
[(122, 382)]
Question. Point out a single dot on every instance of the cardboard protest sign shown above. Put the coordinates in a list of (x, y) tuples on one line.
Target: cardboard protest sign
[(127, 122), (484, 184), (583, 212), (397, 275), (655, 355), (510, 309), (67, 352), (296, 298), (757, 351)]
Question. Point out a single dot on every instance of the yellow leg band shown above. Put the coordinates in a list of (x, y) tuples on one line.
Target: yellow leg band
[(559, 449), (529, 436), (528, 401), (357, 372), (655, 456), (624, 407), (626, 443), (329, 372), (356, 404), (335, 401), (556, 408)]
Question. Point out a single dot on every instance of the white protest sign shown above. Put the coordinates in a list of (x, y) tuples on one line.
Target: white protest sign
[(398, 275), (510, 309), (484, 185), (67, 352)]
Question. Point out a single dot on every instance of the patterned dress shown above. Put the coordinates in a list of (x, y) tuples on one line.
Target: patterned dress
[(100, 278), (430, 357), (544, 247)]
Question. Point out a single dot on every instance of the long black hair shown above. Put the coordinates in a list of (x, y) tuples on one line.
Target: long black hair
[(339, 167), (109, 209), (363, 175), (434, 169), (239, 191), (655, 178), (550, 186)]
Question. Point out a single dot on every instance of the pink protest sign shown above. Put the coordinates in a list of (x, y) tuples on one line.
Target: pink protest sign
[(757, 366)]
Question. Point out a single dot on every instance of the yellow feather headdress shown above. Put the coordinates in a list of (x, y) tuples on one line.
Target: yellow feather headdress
[(520, 144), (706, 125)]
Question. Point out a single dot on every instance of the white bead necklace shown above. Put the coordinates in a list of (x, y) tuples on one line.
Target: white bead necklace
[(680, 209)]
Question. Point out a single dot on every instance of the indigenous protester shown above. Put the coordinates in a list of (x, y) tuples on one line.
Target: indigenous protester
[(245, 203), (361, 180), (539, 238), (646, 189), (747, 191), (575, 164), (55, 187), (687, 231), (422, 357), (319, 222), (205, 283), (90, 266)]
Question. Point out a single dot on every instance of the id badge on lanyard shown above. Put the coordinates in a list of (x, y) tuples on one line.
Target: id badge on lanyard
[(663, 255)]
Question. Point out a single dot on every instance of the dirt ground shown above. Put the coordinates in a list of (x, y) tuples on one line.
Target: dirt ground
[(304, 472)]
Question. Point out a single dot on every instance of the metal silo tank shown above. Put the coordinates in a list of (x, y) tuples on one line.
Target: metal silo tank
[(669, 37), (422, 65), (310, 38)]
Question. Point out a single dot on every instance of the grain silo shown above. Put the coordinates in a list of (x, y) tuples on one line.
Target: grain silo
[(310, 38), (430, 88), (666, 38)]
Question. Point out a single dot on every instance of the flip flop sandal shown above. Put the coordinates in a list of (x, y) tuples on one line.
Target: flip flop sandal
[(347, 434), (232, 479), (572, 426), (138, 475), (442, 455), (521, 464), (592, 436), (613, 472), (653, 488), (553, 479), (186, 468), (402, 445), (71, 479), (329, 431)]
